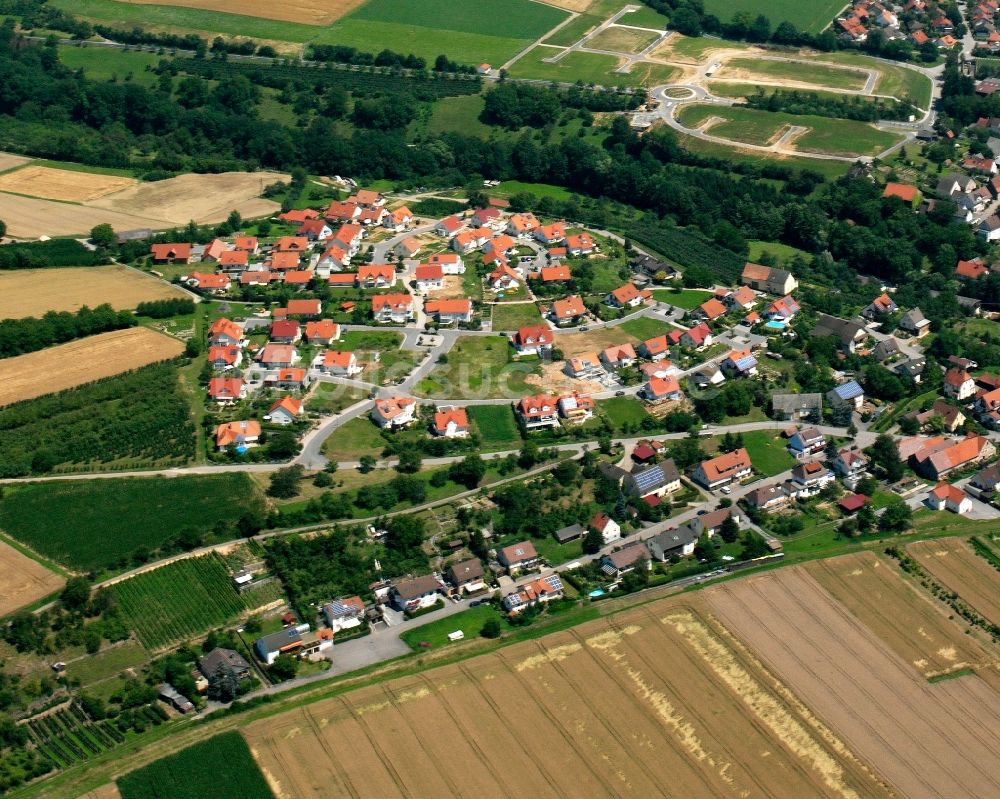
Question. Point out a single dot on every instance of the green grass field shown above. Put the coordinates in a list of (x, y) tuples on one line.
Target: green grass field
[(479, 367), (334, 397), (510, 187), (108, 662), (644, 327), (736, 90), (222, 766), (109, 63), (895, 81), (496, 425), (828, 168), (181, 601), (96, 525), (512, 316), (459, 114), (742, 125), (435, 634), (820, 75), (622, 410), (588, 67), (767, 452), (352, 440), (685, 298), (810, 16), (783, 252)]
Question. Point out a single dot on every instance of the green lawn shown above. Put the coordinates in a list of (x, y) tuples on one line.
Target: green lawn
[(513, 316), (459, 114), (556, 553), (685, 298), (723, 89), (435, 634), (588, 67), (607, 274), (782, 252), (828, 168), (621, 410), (895, 81), (496, 425), (822, 76), (644, 327), (810, 16), (107, 663), (510, 187), (96, 525), (109, 63), (334, 397), (767, 452), (350, 441), (479, 367), (742, 125)]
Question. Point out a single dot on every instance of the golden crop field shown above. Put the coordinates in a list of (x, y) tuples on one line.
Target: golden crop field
[(624, 706), (82, 361), (31, 217), (305, 12), (899, 612), (23, 580), (61, 184), (952, 562), (33, 292), (925, 739)]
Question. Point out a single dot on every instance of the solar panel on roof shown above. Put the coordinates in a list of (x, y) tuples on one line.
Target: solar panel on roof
[(746, 363), (649, 478)]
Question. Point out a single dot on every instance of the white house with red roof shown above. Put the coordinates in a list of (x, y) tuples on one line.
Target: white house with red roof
[(338, 363), (180, 253), (451, 422), (655, 349), (576, 408), (398, 220), (551, 234), (503, 278), (212, 282), (959, 384), (226, 390), (627, 296), (448, 227), (579, 244), (948, 497), (397, 308), (538, 411), (724, 469), (533, 340), (663, 389), (428, 277), (619, 356), (609, 529), (449, 312), (697, 337), (567, 311), (284, 411), (275, 356), (322, 332), (451, 263), (393, 412), (224, 332)]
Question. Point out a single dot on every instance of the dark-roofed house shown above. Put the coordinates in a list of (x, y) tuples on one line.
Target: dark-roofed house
[(789, 407), (518, 557), (769, 497), (886, 349), (711, 522), (227, 659), (848, 333), (804, 443), (915, 323), (987, 480), (626, 559), (769, 279), (466, 576), (677, 542), (282, 642), (420, 592), (656, 479), (571, 533), (849, 393)]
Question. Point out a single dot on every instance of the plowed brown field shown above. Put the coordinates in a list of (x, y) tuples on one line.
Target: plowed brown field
[(961, 570), (925, 739), (23, 580), (652, 702), (902, 615), (32, 292), (82, 361)]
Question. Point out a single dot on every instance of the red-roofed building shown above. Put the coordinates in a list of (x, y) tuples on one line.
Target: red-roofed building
[(451, 422), (567, 311), (304, 308), (338, 363), (449, 311), (285, 331), (627, 296), (171, 253), (284, 411), (539, 410), (226, 390), (533, 340), (322, 332), (724, 469)]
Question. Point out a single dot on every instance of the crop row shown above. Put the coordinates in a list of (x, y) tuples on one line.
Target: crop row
[(69, 736)]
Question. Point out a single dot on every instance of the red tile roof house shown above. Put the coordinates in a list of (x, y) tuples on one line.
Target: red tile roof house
[(322, 332), (710, 309), (213, 251), (449, 312), (397, 308), (568, 311), (338, 363), (450, 262), (553, 274), (661, 389), (697, 337), (398, 220), (214, 283), (225, 357), (724, 469), (959, 384), (518, 557), (580, 244), (504, 278), (234, 261), (655, 349), (304, 308), (298, 216), (283, 261), (852, 503), (609, 529), (171, 253), (237, 434), (939, 459), (275, 356), (488, 217), (627, 296), (544, 589), (533, 340), (619, 357), (226, 390), (285, 331), (394, 412), (428, 276), (223, 332), (284, 411), (576, 408), (538, 410), (448, 226), (376, 276), (247, 244), (290, 378), (407, 248), (953, 498), (451, 422), (315, 230), (551, 234)]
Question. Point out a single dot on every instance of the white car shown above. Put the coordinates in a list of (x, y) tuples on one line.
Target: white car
[(727, 490)]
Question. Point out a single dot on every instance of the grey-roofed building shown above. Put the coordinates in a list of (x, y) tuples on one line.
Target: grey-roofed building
[(886, 349), (679, 542), (625, 560), (912, 368), (848, 333), (849, 393), (914, 322), (658, 478), (231, 660), (268, 647), (420, 592), (571, 533), (176, 700), (467, 575), (797, 406)]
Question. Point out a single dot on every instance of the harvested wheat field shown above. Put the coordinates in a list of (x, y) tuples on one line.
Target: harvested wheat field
[(23, 580), (652, 702), (62, 184), (10, 161), (33, 292), (30, 218), (924, 739), (954, 564), (203, 198), (900, 613), (305, 12), (82, 361)]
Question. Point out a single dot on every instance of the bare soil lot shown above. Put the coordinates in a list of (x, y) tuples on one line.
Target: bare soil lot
[(32, 292), (23, 580), (82, 361), (573, 344), (305, 12), (9, 161), (62, 184), (203, 198), (618, 707), (961, 570), (925, 739), (899, 613)]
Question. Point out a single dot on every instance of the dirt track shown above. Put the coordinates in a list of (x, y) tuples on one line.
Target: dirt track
[(927, 740), (961, 570), (23, 580)]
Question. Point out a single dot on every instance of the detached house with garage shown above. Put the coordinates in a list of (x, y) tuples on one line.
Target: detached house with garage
[(226, 390), (394, 412), (538, 411), (224, 333), (544, 589), (534, 340), (627, 296), (467, 576), (518, 557), (451, 422), (551, 234), (337, 363), (392, 308), (449, 312), (697, 337), (172, 253), (723, 470), (420, 592), (451, 263), (285, 411)]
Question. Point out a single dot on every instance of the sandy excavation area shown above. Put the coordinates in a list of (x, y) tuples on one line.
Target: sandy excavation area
[(62, 184), (23, 580), (927, 740), (620, 707), (33, 292), (82, 361)]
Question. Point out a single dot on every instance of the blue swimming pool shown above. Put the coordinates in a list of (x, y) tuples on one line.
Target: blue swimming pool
[(776, 324), (596, 593)]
